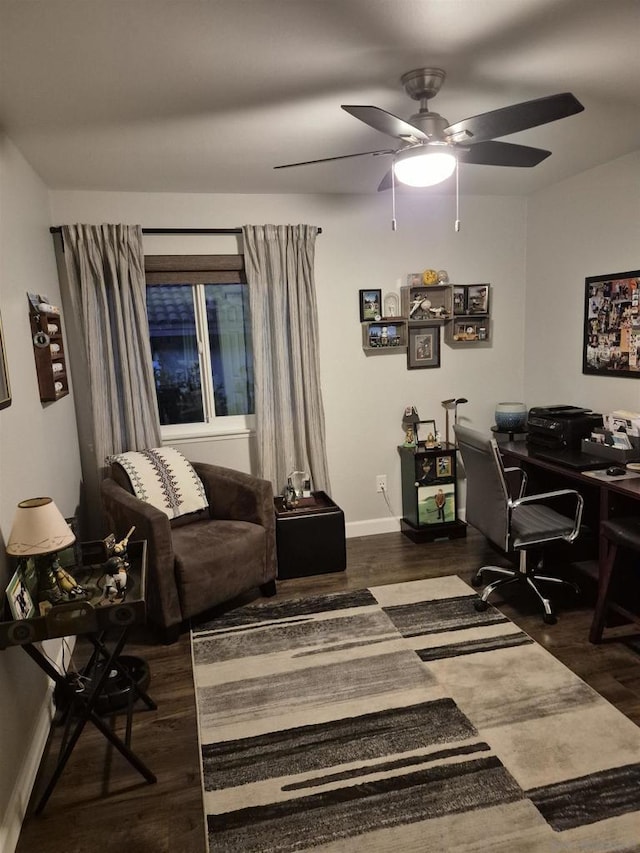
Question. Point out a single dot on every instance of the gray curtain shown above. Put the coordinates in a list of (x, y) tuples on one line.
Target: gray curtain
[(290, 430), (103, 284)]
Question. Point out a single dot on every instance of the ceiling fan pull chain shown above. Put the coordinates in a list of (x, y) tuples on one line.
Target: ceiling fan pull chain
[(457, 224), (394, 224)]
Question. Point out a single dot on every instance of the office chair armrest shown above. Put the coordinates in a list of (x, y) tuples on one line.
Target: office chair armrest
[(523, 478), (558, 493)]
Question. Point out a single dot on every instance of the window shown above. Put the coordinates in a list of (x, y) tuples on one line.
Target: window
[(199, 325)]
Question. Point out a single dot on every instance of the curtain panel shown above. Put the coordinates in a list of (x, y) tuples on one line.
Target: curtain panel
[(104, 282), (290, 424)]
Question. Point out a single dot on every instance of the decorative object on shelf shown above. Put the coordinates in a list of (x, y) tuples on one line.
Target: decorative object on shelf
[(426, 303), (451, 405), (429, 277), (426, 434), (471, 316), (370, 305), (391, 305), (423, 349), (39, 530), (5, 390), (610, 309), (443, 277), (115, 579), (410, 419), (511, 417)]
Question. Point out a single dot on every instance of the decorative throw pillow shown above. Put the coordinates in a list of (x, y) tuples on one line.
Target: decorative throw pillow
[(164, 478)]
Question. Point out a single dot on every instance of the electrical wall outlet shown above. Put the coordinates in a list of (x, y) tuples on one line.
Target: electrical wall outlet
[(381, 482)]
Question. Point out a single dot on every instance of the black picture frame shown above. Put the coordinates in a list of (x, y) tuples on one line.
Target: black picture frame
[(370, 305), (423, 348), (611, 343), (5, 388)]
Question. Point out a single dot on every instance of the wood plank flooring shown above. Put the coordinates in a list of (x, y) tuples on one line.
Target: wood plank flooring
[(102, 805)]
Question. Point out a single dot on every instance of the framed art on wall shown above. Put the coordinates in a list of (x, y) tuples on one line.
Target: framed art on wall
[(370, 305), (423, 349), (611, 345), (5, 390)]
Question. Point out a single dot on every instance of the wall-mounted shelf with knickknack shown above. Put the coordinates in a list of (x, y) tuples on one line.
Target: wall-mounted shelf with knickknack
[(471, 322), (48, 351), (386, 335)]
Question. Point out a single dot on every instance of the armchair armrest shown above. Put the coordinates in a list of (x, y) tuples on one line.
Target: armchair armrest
[(124, 510), (241, 497), (558, 493), (523, 478)]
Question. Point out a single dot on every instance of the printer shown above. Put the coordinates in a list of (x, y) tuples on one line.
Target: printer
[(560, 427)]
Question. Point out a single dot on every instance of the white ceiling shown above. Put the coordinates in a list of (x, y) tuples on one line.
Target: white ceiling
[(209, 95)]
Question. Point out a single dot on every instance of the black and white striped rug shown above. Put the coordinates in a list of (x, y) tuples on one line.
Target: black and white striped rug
[(397, 718)]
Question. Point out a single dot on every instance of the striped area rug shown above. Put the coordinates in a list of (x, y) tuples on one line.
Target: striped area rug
[(397, 718)]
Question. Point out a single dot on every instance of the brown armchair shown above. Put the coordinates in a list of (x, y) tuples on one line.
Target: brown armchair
[(205, 558)]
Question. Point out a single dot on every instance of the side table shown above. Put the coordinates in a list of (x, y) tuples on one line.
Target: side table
[(310, 537), (100, 623)]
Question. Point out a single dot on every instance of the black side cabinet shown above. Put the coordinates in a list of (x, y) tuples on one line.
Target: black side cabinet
[(430, 493), (310, 537)]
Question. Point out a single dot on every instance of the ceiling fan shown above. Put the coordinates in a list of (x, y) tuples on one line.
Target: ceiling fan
[(430, 148)]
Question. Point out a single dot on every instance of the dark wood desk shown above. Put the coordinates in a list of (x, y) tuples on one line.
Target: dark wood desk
[(605, 497)]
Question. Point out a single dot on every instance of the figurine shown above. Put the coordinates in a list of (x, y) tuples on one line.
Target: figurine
[(119, 549), (67, 584), (115, 585)]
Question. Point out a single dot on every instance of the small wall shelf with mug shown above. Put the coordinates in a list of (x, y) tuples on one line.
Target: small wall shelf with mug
[(48, 349)]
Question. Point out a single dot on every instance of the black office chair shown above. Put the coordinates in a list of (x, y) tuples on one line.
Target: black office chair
[(515, 525)]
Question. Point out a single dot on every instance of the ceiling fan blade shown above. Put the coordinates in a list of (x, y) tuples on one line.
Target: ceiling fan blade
[(385, 122), (502, 154), (339, 157), (386, 182), (512, 119)]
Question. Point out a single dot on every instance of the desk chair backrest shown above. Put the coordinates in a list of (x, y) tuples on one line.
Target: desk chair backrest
[(488, 500)]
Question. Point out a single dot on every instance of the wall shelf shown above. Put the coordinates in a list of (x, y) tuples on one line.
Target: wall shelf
[(49, 354)]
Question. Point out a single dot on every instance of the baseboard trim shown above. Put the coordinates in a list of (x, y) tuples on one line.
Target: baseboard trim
[(371, 527)]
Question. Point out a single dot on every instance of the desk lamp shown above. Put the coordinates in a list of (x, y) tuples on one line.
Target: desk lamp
[(452, 405), (40, 531)]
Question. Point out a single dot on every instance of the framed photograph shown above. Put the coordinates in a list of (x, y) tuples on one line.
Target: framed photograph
[(370, 305), (443, 466), (437, 504), (423, 349), (19, 598), (459, 299), (478, 299), (611, 345), (5, 390), (424, 429)]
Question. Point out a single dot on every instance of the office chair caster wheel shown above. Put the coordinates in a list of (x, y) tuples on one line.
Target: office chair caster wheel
[(480, 605), (476, 580), (550, 618)]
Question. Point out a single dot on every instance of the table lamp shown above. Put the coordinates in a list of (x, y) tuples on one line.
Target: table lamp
[(40, 531)]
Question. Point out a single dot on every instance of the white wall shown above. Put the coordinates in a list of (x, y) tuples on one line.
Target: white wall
[(364, 397), (38, 456), (585, 226)]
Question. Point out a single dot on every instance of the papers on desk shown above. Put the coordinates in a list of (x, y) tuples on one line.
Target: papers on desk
[(602, 475), (623, 421)]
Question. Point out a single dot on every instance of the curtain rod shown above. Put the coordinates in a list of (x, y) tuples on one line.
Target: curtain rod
[(56, 229)]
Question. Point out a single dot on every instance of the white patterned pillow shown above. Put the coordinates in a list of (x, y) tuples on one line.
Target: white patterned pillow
[(164, 478)]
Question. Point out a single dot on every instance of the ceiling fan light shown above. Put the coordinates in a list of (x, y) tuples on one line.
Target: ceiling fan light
[(424, 168)]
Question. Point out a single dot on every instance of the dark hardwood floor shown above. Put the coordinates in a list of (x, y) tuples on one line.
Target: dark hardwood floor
[(102, 805)]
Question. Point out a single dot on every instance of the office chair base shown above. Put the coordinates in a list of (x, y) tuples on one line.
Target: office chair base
[(528, 577)]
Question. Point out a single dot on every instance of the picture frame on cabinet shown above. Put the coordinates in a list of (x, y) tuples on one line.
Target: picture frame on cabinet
[(423, 348), (426, 433), (370, 305), (436, 504), (5, 388), (443, 466)]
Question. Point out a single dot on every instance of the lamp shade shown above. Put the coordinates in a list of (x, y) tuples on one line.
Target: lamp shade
[(38, 528), (424, 167)]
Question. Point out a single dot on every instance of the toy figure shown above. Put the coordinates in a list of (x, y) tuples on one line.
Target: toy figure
[(115, 585), (67, 584)]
